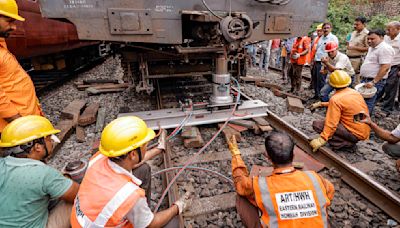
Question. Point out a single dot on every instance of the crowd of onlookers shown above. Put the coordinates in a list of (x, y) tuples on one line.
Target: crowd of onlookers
[(369, 62)]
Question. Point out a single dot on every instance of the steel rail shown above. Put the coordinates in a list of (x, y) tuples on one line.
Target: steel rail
[(374, 191), (385, 199)]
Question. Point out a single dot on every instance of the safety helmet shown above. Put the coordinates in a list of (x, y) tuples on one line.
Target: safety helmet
[(319, 27), (331, 46), (339, 79), (123, 135), (9, 8), (26, 129)]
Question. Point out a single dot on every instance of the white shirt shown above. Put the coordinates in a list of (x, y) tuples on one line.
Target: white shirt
[(395, 44), (323, 40), (140, 215), (381, 54), (342, 62), (396, 132)]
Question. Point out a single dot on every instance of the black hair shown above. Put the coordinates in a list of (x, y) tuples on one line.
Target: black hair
[(27, 147), (327, 23), (122, 157), (361, 19), (279, 148), (378, 32)]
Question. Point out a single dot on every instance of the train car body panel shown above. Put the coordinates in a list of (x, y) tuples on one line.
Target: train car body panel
[(39, 36), (160, 21)]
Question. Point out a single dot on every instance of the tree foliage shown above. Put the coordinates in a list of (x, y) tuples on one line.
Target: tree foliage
[(341, 13)]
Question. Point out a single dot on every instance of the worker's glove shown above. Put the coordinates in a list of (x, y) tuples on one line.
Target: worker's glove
[(317, 143), (183, 202), (233, 147), (162, 140), (315, 105)]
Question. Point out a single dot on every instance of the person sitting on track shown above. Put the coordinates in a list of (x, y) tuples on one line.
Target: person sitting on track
[(392, 145), (28, 187), (280, 196), (110, 194), (17, 92), (340, 128)]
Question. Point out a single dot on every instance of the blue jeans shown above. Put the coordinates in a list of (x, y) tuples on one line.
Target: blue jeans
[(319, 78), (372, 101), (327, 89)]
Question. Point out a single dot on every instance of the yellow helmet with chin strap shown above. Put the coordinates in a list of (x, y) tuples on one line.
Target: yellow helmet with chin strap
[(123, 135), (26, 129), (339, 79), (9, 8)]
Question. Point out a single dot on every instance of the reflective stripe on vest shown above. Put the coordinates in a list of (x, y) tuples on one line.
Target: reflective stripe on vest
[(320, 196), (95, 159), (267, 201), (269, 207)]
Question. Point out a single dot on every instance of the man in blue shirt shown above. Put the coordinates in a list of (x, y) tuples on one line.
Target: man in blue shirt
[(320, 53), (26, 184)]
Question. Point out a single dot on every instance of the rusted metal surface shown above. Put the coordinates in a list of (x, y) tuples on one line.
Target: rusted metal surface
[(173, 194), (166, 21), (40, 36), (375, 192)]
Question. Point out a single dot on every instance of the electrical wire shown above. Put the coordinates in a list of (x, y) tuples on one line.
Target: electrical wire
[(189, 162), (195, 168), (208, 8)]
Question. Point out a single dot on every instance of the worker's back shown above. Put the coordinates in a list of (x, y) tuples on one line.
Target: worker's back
[(26, 186), (17, 92), (347, 103), (292, 199)]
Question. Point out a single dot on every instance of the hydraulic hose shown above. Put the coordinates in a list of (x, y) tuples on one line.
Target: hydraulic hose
[(202, 149)]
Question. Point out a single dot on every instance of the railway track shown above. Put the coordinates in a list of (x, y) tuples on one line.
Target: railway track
[(373, 191)]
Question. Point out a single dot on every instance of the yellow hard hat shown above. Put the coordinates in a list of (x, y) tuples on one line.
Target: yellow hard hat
[(319, 27), (26, 129), (123, 135), (339, 79), (9, 8)]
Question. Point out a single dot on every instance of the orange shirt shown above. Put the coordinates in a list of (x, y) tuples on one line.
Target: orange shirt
[(342, 107), (244, 183), (300, 45), (17, 92)]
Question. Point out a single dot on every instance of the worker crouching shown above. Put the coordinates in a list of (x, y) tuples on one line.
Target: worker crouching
[(287, 197), (341, 127), (28, 187), (110, 195)]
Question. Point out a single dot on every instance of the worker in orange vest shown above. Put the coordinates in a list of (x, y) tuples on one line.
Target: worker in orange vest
[(287, 197), (341, 129), (319, 32), (298, 57), (109, 195), (17, 92)]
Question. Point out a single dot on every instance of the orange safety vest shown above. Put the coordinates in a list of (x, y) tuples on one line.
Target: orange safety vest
[(308, 55), (299, 47), (104, 197), (314, 47), (296, 199)]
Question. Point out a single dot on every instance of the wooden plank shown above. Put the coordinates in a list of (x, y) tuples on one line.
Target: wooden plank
[(195, 142), (268, 85), (208, 205), (245, 123), (282, 94), (238, 127), (294, 105), (189, 132), (221, 156), (89, 115), (66, 127), (80, 134), (100, 81), (94, 91), (100, 119), (84, 86), (73, 110), (261, 121), (228, 132), (265, 128)]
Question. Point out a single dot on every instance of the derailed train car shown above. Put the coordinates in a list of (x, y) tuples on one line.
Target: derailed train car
[(168, 38), (47, 44)]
